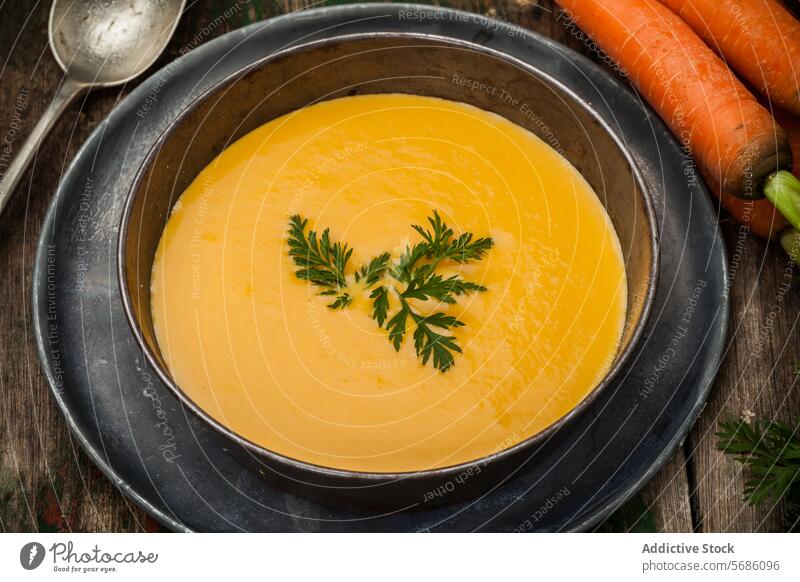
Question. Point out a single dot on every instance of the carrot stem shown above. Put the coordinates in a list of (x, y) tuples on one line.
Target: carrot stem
[(783, 190)]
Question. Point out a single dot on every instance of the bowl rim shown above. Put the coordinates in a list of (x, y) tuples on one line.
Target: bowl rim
[(381, 478)]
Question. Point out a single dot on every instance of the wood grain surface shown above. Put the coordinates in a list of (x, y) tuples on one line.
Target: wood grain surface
[(48, 484)]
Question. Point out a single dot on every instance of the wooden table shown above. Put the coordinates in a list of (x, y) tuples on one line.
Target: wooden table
[(48, 484)]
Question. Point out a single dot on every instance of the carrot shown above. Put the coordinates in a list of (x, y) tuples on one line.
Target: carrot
[(760, 216), (758, 38), (733, 138), (790, 237)]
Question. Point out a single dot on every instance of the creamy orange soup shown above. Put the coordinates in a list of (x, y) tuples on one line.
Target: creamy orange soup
[(260, 350)]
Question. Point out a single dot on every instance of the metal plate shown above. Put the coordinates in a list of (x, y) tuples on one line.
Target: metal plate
[(167, 462)]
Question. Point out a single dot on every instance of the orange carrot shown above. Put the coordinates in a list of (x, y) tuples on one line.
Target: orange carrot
[(758, 38), (733, 138), (760, 215)]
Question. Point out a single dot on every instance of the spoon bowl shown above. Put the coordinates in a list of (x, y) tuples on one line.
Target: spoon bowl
[(108, 43)]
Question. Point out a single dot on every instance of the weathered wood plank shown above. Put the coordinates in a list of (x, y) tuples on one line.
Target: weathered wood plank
[(667, 496), (757, 378)]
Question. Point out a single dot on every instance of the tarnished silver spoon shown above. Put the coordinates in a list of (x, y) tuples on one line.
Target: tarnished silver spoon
[(98, 43)]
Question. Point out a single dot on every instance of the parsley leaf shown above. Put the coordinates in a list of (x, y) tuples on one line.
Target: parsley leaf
[(321, 262), (380, 304), (374, 271), (771, 451)]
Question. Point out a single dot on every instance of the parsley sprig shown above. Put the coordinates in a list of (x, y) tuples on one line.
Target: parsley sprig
[(417, 270), (321, 261), (771, 451), (412, 279)]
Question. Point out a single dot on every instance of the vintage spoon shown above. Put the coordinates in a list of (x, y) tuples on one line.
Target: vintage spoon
[(97, 44)]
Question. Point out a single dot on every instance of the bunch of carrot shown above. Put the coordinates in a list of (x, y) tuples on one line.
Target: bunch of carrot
[(671, 51)]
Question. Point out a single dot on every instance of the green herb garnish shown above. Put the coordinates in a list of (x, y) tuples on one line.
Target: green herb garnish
[(412, 277), (321, 262), (771, 451)]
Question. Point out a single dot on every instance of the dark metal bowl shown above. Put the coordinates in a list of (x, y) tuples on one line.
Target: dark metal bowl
[(383, 63)]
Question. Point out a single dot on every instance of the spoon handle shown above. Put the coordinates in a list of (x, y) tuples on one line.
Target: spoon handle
[(66, 93)]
